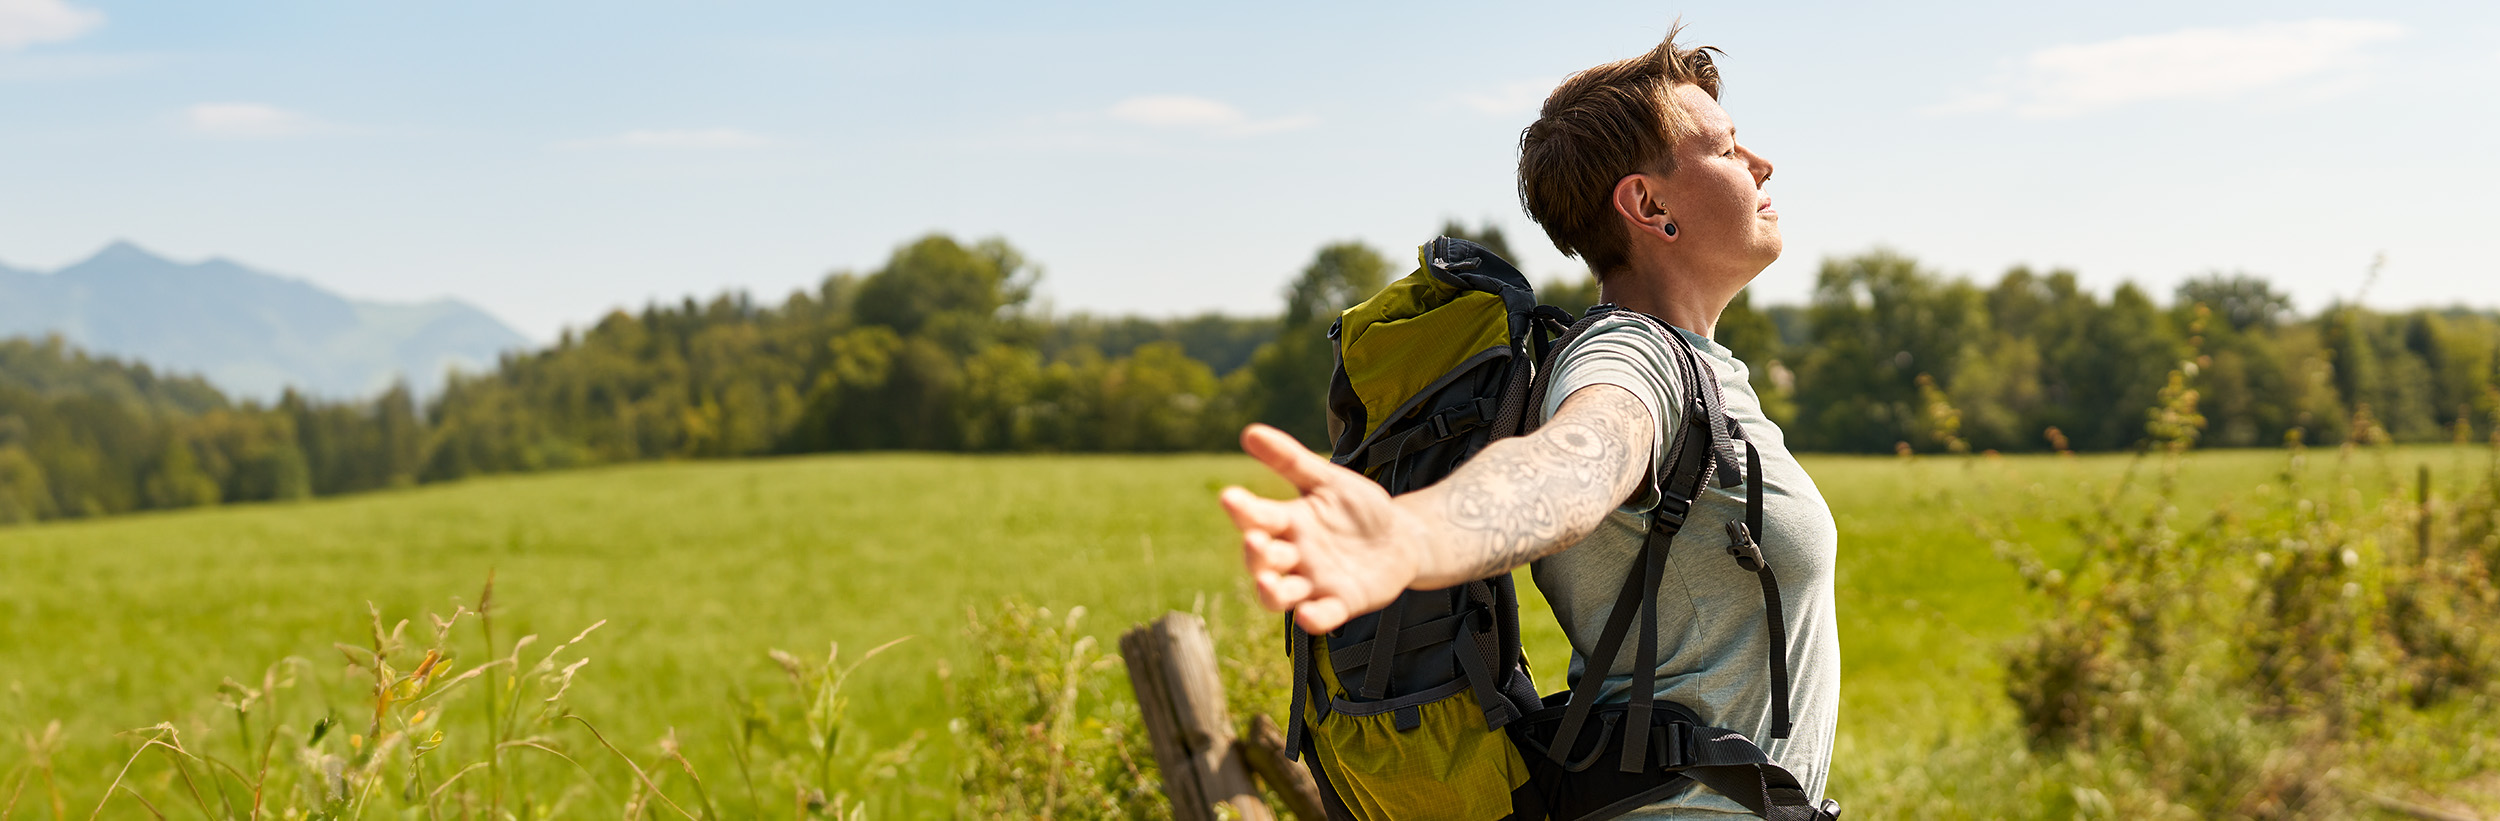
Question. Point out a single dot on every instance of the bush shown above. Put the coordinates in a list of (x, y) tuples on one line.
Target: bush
[(1048, 727), (2306, 655)]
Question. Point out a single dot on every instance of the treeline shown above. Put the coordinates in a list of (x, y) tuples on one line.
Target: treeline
[(89, 436), (939, 349), (942, 349), (1888, 354)]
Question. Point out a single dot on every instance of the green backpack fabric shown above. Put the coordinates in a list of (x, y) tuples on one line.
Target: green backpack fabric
[(1425, 709), (1402, 710)]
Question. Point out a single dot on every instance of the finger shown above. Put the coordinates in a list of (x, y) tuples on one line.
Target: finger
[(1286, 455), (1321, 615), (1280, 592), (1250, 512), (1263, 584), (1261, 553)]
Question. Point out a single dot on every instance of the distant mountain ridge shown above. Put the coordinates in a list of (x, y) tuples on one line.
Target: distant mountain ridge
[(252, 333)]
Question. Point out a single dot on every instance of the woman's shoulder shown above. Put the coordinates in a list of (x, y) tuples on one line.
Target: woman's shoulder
[(1647, 336)]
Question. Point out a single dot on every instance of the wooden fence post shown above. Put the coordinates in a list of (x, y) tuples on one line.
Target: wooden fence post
[(1171, 662), (1264, 746)]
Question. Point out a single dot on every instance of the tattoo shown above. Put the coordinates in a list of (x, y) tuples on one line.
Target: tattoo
[(1530, 496)]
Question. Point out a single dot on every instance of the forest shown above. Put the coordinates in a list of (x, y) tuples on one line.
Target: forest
[(943, 349)]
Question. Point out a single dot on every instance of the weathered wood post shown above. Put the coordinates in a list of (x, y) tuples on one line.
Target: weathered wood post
[(1171, 663), (1264, 745)]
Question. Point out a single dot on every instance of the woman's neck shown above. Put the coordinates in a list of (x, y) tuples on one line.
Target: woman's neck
[(1683, 307)]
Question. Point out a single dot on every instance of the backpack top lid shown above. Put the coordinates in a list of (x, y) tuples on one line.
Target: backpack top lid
[(1459, 304)]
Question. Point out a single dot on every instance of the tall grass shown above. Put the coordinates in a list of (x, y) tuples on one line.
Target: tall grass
[(702, 568), (408, 731), (1049, 725), (2303, 653), (411, 727)]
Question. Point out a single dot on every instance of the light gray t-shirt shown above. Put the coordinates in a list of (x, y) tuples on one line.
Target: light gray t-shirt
[(1711, 634)]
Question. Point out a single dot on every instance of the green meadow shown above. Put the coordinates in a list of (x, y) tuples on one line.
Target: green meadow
[(700, 568)]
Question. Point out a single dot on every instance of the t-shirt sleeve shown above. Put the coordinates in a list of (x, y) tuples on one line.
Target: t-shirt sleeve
[(1630, 354)]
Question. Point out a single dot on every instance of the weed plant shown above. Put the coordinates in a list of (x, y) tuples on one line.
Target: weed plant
[(2306, 654), (412, 730), (1048, 725)]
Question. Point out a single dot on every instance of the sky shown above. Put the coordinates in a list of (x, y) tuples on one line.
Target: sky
[(550, 161)]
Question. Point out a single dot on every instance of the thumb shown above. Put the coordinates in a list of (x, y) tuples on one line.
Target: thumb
[(1286, 456)]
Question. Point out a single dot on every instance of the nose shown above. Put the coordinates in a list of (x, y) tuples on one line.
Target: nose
[(1761, 166)]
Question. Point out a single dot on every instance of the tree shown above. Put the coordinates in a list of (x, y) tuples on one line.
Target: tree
[(1292, 372), (1488, 235), (24, 495), (177, 480), (1339, 276), (1878, 321), (935, 277), (2114, 368), (1755, 340), (2236, 298), (1155, 401), (1574, 294)]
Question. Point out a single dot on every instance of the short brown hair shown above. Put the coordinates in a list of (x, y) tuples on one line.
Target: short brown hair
[(1598, 126)]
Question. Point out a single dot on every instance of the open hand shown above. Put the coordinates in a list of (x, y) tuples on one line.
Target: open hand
[(1344, 548)]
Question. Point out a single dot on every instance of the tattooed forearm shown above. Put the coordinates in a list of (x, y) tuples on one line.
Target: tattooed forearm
[(1526, 497)]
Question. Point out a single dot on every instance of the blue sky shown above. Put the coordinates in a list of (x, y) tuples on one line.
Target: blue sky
[(548, 161)]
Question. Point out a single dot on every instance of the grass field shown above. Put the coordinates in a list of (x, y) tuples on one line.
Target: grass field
[(699, 568)]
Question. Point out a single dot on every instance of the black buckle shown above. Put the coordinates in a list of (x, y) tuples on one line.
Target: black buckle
[(1741, 545), (1829, 810), (1440, 426), (1670, 508)]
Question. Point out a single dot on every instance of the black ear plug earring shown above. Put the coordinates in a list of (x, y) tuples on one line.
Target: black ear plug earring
[(1669, 228)]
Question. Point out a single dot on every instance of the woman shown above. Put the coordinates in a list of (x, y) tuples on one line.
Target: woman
[(1635, 168)]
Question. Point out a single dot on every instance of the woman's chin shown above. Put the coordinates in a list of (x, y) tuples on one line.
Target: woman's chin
[(1768, 251)]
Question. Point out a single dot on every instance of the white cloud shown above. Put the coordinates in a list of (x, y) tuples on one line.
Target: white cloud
[(1508, 98), (2189, 64), (26, 22), (1180, 111), (694, 138), (1295, 122), (1177, 111), (247, 120)]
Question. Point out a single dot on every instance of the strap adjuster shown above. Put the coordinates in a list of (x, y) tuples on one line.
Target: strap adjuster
[(1673, 743), (1671, 508), (1740, 544)]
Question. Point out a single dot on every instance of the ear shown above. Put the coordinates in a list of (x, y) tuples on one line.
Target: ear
[(1637, 200)]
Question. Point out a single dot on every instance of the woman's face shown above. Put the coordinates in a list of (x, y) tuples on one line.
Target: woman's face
[(1724, 223)]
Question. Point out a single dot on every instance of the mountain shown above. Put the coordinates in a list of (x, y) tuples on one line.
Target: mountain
[(251, 333)]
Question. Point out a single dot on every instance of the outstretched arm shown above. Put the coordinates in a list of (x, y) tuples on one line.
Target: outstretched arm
[(1346, 547)]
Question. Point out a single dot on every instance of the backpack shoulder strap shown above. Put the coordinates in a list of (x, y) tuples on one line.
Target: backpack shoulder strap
[(1725, 434), (1703, 447), (1691, 453), (1701, 402)]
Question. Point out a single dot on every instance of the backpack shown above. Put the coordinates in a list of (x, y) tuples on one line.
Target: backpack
[(1426, 708)]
